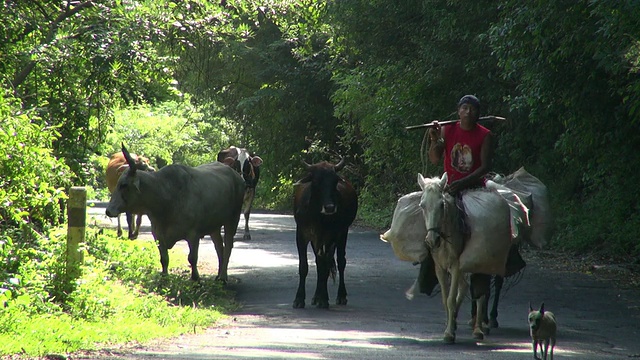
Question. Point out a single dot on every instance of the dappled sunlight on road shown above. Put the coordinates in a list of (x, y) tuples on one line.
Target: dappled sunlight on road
[(526, 348)]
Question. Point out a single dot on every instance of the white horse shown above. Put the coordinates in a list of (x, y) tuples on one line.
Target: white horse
[(446, 242)]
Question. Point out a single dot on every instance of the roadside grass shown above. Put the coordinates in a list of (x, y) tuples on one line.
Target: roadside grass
[(121, 298)]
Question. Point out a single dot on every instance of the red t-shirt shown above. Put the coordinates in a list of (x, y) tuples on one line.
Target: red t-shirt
[(462, 150)]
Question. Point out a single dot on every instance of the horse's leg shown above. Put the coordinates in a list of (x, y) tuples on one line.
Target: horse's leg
[(474, 312), (462, 293), (480, 286), (478, 332), (442, 276), (452, 298), (497, 288)]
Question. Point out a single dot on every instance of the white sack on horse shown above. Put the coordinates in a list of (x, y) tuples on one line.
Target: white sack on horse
[(487, 216), (519, 205), (540, 212), (408, 231)]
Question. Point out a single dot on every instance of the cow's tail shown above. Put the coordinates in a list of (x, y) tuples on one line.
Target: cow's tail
[(333, 270)]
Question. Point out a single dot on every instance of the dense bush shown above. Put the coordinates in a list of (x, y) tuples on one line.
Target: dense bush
[(32, 194)]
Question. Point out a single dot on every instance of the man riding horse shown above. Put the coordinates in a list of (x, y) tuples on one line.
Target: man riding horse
[(466, 148)]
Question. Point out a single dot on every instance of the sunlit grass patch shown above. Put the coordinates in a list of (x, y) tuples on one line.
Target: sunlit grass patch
[(120, 298)]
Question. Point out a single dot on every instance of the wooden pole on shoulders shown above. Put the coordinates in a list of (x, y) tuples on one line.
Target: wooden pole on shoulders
[(77, 214), (488, 118)]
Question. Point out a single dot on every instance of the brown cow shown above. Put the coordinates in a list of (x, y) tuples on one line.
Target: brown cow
[(324, 207), (117, 165)]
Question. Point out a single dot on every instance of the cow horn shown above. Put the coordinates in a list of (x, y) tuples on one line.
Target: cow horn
[(306, 164), (130, 161), (341, 164)]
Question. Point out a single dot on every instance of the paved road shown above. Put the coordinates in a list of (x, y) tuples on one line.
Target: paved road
[(595, 320)]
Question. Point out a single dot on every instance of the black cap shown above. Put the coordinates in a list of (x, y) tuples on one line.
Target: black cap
[(470, 99)]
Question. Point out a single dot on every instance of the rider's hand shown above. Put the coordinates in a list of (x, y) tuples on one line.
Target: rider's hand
[(434, 131), (456, 186)]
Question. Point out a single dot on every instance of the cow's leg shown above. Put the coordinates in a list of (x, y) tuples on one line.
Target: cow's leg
[(136, 230), (303, 270), (342, 264), (194, 244), (323, 265), (164, 256), (249, 195), (223, 253), (497, 288), (229, 233), (130, 228), (119, 231)]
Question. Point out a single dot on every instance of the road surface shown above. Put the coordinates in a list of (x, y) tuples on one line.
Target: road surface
[(595, 320)]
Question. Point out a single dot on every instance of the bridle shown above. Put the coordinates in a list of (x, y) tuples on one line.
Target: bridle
[(438, 229)]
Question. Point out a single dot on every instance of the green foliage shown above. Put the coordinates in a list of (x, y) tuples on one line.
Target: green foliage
[(119, 298), (32, 180), (72, 63), (166, 133)]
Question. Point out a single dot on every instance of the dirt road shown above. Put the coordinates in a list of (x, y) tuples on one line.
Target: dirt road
[(596, 321)]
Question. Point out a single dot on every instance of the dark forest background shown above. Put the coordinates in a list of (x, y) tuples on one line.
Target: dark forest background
[(317, 80)]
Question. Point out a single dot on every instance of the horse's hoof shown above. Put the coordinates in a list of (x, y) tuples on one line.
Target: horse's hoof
[(486, 329), (472, 322), (493, 323), (298, 304), (341, 301), (449, 338), (478, 335)]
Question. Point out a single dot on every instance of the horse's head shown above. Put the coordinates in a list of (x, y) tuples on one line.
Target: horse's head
[(434, 206)]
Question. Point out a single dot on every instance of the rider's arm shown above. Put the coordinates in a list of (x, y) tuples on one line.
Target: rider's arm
[(436, 149)]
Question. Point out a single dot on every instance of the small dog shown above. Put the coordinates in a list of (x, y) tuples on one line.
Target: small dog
[(542, 327)]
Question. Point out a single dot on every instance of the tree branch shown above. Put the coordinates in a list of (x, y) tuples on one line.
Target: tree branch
[(20, 77)]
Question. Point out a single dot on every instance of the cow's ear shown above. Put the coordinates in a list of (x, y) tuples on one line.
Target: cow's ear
[(256, 161), (228, 161)]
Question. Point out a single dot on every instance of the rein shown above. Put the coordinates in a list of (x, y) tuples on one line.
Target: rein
[(441, 234)]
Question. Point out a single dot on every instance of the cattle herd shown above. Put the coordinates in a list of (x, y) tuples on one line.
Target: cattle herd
[(184, 202)]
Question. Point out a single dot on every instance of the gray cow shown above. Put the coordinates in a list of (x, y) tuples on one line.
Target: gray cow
[(184, 202)]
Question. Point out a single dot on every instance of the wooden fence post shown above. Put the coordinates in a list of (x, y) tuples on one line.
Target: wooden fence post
[(77, 215)]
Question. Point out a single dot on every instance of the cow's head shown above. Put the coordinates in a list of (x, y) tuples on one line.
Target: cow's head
[(124, 197), (324, 180), (245, 163)]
